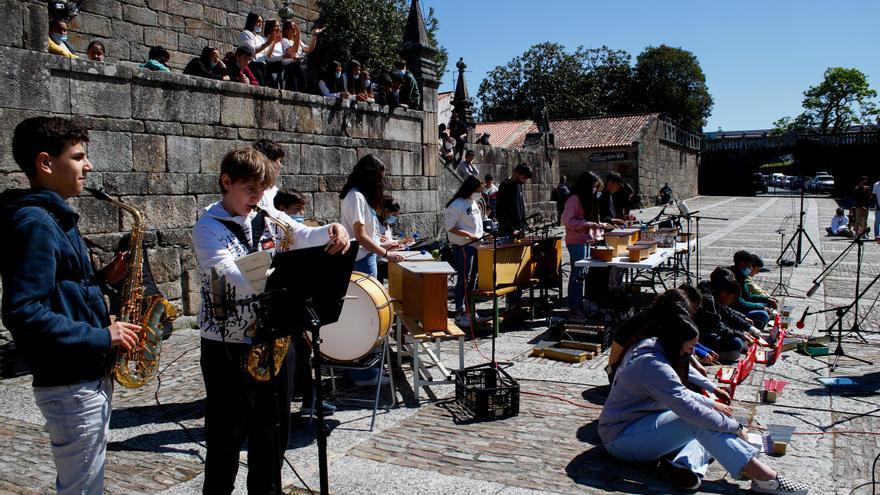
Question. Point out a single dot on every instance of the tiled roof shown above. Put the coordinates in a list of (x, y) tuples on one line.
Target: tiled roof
[(572, 134)]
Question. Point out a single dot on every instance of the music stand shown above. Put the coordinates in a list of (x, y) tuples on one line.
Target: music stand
[(309, 287), (780, 288)]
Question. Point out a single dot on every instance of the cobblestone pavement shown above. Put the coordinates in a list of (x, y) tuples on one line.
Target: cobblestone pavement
[(551, 446)]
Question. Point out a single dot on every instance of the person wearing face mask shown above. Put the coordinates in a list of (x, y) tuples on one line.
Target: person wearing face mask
[(723, 329), (261, 47), (331, 84), (208, 64), (756, 308), (295, 52), (291, 203), (580, 217), (651, 414), (387, 221), (464, 225), (365, 88), (351, 78), (58, 39), (409, 90)]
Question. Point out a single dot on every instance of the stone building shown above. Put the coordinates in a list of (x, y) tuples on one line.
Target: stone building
[(646, 150), (157, 138)]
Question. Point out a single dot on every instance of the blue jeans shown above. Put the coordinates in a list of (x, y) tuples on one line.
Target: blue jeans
[(760, 317), (77, 419), (576, 252), (465, 259), (656, 435), (367, 265)]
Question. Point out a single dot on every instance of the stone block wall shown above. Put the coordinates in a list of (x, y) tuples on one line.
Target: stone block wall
[(128, 28), (574, 162), (660, 161), (157, 140), (500, 162)]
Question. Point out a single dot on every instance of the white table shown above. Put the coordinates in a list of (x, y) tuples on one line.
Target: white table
[(651, 263)]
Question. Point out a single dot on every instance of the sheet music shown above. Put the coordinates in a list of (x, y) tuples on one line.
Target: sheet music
[(255, 269)]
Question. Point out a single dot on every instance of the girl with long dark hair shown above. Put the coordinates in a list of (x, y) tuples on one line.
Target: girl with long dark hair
[(295, 52), (262, 47), (650, 413), (582, 227), (331, 84), (362, 197), (464, 225)]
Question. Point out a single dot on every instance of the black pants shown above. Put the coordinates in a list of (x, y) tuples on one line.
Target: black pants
[(295, 77), (238, 408), (259, 70)]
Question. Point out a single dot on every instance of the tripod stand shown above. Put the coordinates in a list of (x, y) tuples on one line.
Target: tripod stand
[(838, 353), (780, 288), (799, 234)]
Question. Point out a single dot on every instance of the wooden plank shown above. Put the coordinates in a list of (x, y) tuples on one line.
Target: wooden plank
[(583, 346), (567, 355), (453, 329), (538, 351)]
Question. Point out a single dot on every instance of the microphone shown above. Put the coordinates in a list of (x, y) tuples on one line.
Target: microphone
[(800, 323), (813, 289)]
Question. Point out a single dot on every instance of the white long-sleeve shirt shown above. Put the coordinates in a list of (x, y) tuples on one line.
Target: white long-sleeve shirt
[(216, 245)]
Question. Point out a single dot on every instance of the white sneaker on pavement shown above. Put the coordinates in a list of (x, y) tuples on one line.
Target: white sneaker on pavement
[(780, 485)]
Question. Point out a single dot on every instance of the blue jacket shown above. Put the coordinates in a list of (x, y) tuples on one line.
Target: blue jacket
[(51, 301)]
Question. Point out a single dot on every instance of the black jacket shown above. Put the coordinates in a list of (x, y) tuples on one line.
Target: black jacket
[(712, 318), (607, 207), (510, 208), (197, 67), (51, 301)]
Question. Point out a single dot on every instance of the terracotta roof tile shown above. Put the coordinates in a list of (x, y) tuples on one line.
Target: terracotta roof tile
[(571, 134)]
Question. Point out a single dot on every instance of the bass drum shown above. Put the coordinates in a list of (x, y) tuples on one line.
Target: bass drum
[(364, 321)]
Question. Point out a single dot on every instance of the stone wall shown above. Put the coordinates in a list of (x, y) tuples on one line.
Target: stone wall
[(500, 162), (128, 28), (157, 140), (660, 161), (574, 162)]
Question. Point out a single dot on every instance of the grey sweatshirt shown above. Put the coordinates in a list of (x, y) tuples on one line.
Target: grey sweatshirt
[(646, 384)]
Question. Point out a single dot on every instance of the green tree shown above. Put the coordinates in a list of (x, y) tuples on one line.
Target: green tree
[(585, 83), (842, 99), (370, 31), (670, 80)]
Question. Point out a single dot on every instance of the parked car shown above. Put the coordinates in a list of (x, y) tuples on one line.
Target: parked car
[(787, 180), (758, 184), (797, 182), (776, 180), (822, 183)]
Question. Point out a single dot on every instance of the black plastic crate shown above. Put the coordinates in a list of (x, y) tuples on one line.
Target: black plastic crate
[(487, 392)]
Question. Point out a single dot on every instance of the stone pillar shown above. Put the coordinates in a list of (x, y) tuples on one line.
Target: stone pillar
[(419, 53), (462, 103)]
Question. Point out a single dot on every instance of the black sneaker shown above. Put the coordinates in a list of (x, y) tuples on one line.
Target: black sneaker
[(679, 475), (780, 485)]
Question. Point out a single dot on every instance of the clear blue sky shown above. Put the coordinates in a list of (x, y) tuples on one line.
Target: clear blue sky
[(758, 56)]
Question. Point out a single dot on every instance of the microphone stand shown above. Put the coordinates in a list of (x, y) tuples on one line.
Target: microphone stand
[(799, 234)]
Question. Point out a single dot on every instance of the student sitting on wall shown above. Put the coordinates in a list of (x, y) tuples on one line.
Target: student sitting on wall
[(96, 51), (365, 88), (238, 66), (208, 65), (331, 85), (158, 58), (58, 39)]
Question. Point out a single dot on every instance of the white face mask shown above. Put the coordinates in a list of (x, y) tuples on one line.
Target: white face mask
[(476, 196)]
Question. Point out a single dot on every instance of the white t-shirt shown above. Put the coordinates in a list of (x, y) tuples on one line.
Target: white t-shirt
[(877, 193), (255, 41), (300, 52), (838, 221), (355, 209), (465, 214), (464, 169)]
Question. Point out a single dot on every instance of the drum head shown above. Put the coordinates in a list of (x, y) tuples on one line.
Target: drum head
[(357, 332)]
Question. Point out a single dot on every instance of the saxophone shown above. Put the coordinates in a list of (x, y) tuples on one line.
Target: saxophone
[(259, 357), (136, 367)]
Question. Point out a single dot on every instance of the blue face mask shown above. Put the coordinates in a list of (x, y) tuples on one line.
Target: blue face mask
[(746, 271), (367, 83), (338, 75), (298, 218), (392, 219), (59, 38), (258, 29), (356, 77), (402, 73)]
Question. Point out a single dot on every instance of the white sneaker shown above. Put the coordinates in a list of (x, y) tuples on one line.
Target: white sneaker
[(463, 321), (781, 485)]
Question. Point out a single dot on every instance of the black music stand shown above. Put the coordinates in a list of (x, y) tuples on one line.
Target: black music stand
[(308, 289)]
